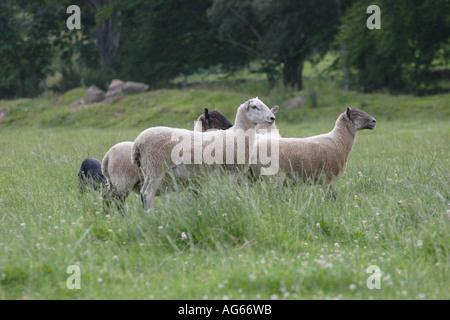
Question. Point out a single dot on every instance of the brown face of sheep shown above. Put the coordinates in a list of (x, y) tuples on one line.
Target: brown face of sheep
[(215, 120), (361, 120)]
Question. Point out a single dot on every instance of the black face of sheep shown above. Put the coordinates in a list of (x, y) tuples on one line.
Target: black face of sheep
[(90, 175), (215, 120), (361, 120)]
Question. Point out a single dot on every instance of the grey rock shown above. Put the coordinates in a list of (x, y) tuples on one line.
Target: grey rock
[(294, 102), (94, 94)]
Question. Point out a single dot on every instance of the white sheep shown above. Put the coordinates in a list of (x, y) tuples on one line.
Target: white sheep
[(263, 130), (322, 158), (157, 149), (123, 177)]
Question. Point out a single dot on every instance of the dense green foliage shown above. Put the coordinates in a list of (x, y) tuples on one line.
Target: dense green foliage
[(409, 50), (155, 41)]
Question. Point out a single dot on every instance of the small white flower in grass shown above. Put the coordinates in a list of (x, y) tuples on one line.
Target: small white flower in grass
[(421, 296), (252, 277), (99, 279), (336, 245), (274, 297), (419, 244), (115, 258), (160, 228), (364, 223), (224, 214), (318, 225), (110, 230), (183, 236), (388, 280), (22, 225), (199, 213), (352, 287)]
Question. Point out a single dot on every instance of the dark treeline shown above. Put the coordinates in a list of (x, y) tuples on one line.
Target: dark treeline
[(155, 41)]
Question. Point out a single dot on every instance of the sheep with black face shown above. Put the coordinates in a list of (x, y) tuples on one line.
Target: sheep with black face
[(90, 175)]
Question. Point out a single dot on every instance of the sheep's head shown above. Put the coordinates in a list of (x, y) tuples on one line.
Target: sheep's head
[(258, 112), (361, 120), (215, 120), (266, 126)]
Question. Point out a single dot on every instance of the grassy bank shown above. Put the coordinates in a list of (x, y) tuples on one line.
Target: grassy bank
[(248, 242)]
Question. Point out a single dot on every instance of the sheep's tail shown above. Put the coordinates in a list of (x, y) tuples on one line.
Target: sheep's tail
[(136, 155)]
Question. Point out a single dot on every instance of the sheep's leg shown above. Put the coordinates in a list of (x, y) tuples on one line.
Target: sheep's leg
[(119, 200), (142, 191), (331, 193), (149, 189), (280, 177), (107, 199)]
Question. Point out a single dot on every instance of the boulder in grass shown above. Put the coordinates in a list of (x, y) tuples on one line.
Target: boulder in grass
[(94, 94), (295, 102), (114, 88), (3, 114), (131, 87)]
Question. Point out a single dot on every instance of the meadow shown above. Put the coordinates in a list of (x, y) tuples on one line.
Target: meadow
[(252, 241)]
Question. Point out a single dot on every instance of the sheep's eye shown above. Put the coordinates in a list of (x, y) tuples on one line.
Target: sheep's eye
[(255, 107)]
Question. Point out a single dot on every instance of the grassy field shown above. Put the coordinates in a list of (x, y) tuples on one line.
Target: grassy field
[(254, 241)]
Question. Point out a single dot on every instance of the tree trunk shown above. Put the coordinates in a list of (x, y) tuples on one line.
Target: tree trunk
[(343, 50), (292, 72), (108, 33)]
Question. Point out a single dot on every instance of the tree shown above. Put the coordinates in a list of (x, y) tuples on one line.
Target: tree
[(108, 29), (28, 39), (412, 42), (244, 25), (162, 39), (279, 33)]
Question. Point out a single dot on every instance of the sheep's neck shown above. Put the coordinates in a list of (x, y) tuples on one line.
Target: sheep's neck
[(242, 122), (344, 134)]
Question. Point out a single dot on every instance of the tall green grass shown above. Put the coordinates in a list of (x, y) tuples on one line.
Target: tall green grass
[(223, 241)]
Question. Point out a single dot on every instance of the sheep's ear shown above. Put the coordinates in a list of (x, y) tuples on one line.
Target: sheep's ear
[(274, 109), (206, 115), (247, 106), (347, 112)]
